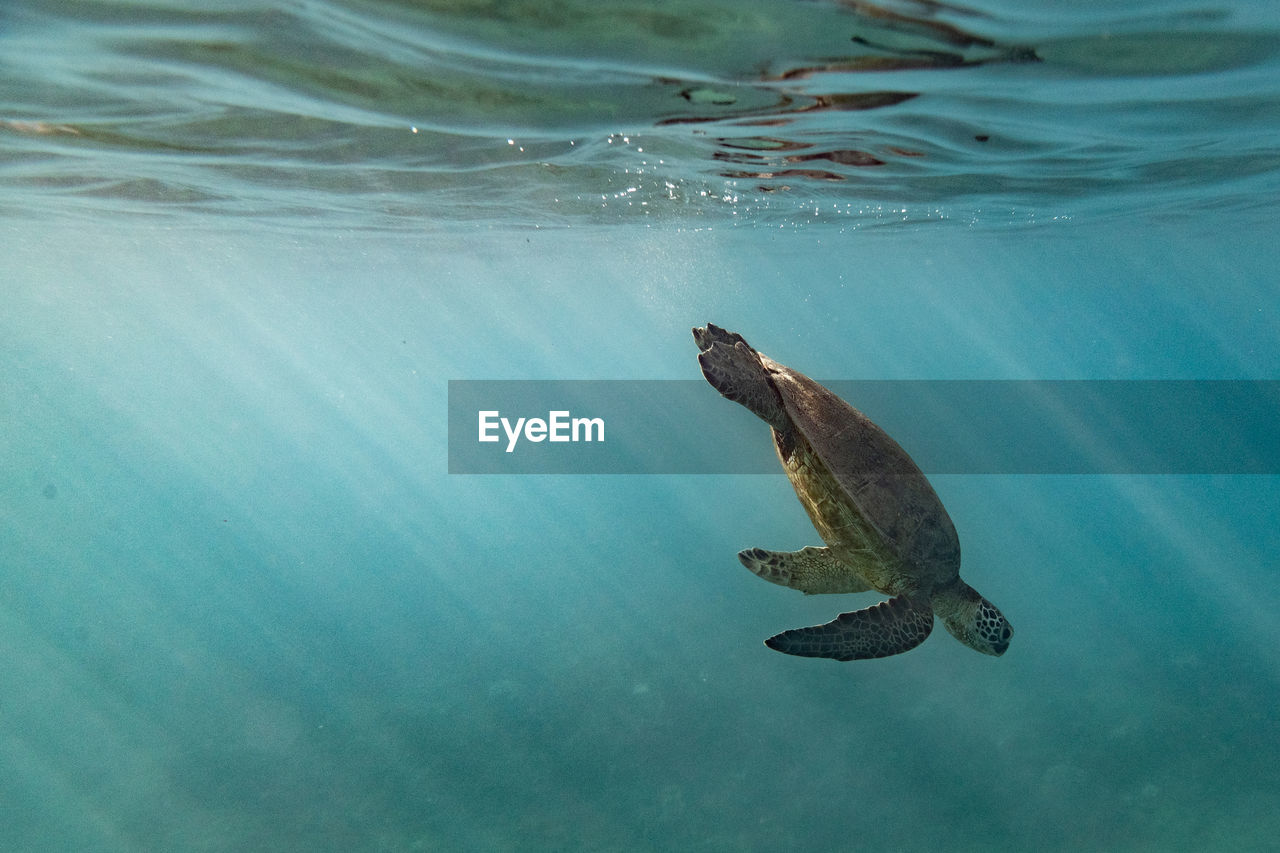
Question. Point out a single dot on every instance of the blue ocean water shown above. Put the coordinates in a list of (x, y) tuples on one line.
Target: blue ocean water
[(243, 605)]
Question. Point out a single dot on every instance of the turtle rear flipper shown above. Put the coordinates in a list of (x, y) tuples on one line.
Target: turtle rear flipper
[(810, 570), (885, 629), (734, 369), (705, 336)]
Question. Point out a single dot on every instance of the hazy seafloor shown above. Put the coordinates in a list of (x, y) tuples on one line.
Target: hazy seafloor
[(243, 605)]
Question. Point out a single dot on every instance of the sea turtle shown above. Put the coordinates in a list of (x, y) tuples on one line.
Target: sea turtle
[(883, 525)]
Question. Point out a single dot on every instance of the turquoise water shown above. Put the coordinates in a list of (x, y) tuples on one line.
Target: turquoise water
[(243, 605)]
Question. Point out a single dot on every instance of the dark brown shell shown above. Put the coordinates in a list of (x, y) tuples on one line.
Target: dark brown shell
[(881, 480)]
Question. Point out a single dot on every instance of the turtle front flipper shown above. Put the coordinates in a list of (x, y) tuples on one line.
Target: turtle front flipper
[(734, 369), (888, 628), (810, 570)]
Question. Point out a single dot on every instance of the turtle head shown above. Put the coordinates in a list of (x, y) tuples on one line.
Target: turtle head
[(974, 621)]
